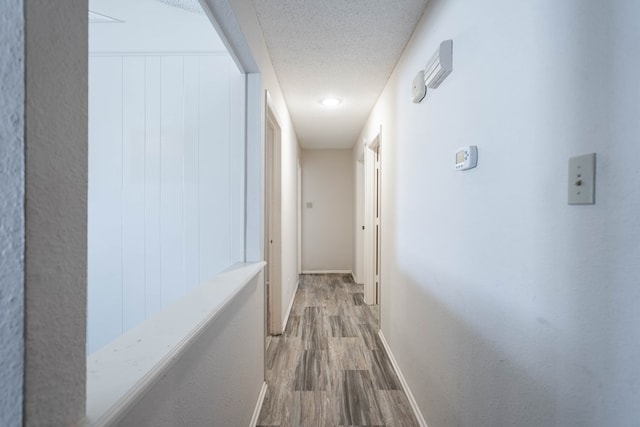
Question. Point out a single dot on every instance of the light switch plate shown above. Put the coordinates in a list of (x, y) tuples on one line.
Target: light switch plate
[(582, 180)]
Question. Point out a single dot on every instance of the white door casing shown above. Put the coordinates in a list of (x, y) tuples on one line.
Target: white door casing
[(273, 225), (372, 211)]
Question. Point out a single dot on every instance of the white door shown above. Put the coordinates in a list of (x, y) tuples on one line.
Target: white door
[(273, 242), (373, 230), (299, 204), (376, 220)]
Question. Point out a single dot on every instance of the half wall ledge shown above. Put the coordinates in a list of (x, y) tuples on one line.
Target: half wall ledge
[(120, 373)]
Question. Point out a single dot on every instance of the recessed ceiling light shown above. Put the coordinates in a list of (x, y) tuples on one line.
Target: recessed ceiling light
[(98, 18), (330, 102)]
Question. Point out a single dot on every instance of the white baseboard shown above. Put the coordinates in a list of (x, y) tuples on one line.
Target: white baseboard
[(258, 408), (285, 319), (403, 381), (327, 272)]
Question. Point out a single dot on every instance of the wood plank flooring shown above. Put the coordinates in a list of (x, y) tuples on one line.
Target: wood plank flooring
[(329, 368)]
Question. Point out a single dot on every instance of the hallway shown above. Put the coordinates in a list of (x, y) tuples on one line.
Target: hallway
[(504, 303), (330, 367)]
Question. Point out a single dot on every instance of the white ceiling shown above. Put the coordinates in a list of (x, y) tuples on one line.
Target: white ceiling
[(341, 48)]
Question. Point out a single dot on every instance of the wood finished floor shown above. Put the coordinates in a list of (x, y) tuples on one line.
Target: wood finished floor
[(329, 368)]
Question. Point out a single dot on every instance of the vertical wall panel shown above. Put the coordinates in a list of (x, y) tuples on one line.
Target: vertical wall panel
[(214, 167), (207, 133), (237, 147), (166, 194), (171, 184), (191, 171), (104, 234), (152, 185), (133, 177)]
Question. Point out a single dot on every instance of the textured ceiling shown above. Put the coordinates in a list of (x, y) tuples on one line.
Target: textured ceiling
[(341, 48)]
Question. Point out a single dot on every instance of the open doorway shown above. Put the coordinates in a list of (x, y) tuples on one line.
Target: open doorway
[(273, 206)]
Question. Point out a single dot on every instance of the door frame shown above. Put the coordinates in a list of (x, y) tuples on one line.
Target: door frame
[(299, 209), (359, 216), (273, 218), (373, 215)]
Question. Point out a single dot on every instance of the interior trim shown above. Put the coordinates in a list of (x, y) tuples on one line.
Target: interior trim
[(403, 381)]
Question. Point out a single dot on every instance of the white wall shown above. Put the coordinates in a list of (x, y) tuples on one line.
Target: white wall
[(165, 182), (247, 20), (289, 212), (327, 226), (12, 226), (502, 304), (56, 211)]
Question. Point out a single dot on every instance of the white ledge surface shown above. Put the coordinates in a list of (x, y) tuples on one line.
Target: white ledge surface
[(120, 373)]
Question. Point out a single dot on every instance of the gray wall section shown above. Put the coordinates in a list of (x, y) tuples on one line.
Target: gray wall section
[(217, 380), (56, 211), (12, 211)]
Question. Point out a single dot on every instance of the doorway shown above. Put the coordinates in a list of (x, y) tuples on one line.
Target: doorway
[(376, 224), (299, 208), (273, 205), (373, 224)]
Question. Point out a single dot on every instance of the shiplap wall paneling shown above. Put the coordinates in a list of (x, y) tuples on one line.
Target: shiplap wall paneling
[(237, 138), (171, 179), (166, 182), (133, 191), (104, 234), (152, 197), (191, 173), (215, 234)]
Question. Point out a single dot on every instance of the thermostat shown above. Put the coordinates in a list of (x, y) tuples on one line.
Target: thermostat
[(466, 157)]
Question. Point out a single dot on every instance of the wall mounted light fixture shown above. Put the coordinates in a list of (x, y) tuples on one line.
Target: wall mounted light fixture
[(438, 68), (440, 65)]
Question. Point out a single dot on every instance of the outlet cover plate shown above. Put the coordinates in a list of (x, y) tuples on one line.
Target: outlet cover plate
[(582, 180)]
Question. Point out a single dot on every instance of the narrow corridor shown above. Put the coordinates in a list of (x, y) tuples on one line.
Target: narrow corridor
[(330, 367)]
